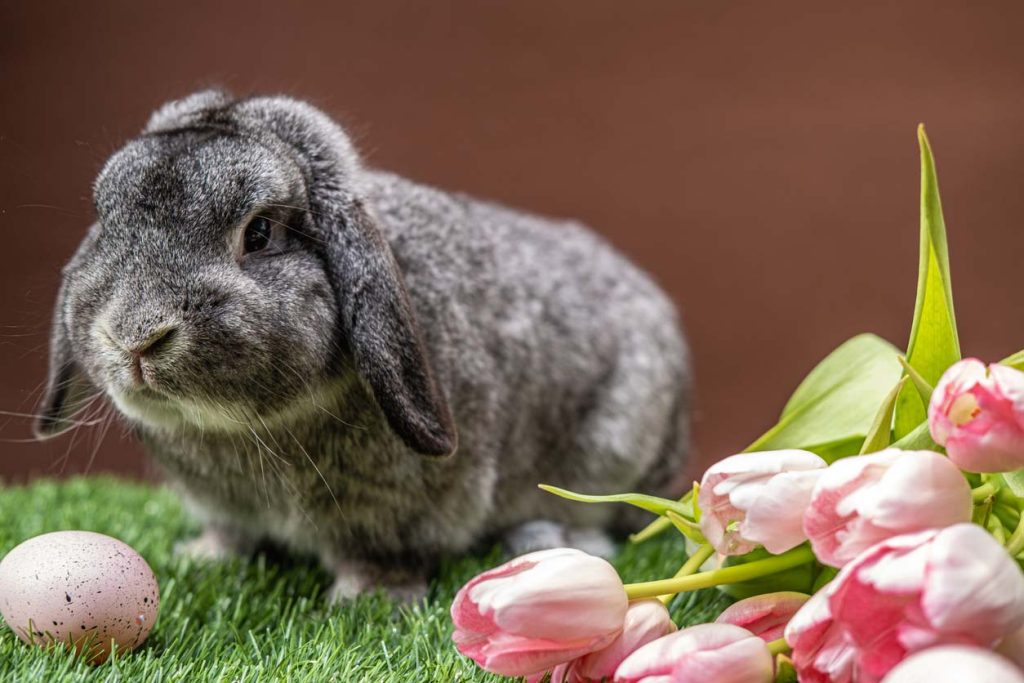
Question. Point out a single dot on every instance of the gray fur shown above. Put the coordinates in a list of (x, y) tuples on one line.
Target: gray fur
[(309, 396)]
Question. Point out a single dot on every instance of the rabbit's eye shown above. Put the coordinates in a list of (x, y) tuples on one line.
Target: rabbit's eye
[(257, 235)]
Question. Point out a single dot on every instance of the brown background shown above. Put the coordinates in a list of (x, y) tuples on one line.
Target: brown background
[(759, 158)]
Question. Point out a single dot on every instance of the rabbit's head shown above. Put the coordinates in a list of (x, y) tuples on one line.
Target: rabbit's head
[(235, 270)]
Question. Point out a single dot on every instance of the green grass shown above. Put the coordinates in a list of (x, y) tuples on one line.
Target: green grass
[(262, 619)]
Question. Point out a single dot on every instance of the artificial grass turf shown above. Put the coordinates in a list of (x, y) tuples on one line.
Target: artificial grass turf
[(264, 619)]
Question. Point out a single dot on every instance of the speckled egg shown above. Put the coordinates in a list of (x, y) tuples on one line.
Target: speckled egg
[(83, 590)]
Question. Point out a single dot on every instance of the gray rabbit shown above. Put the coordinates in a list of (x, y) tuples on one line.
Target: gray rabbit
[(348, 364)]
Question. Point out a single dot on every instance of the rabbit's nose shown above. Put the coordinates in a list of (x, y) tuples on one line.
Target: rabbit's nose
[(153, 342), (160, 338), (141, 347)]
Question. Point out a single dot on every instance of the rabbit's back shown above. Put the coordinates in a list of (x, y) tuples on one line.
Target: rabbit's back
[(563, 362)]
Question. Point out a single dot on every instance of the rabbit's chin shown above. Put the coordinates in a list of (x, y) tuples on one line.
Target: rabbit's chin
[(165, 413)]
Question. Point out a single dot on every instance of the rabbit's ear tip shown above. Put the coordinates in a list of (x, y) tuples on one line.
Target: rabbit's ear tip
[(56, 414), (47, 426), (442, 445), (67, 391), (432, 434)]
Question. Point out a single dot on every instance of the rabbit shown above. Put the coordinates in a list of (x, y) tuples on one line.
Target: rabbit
[(351, 365)]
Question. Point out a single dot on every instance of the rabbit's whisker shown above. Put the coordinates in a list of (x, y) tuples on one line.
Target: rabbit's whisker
[(263, 473), (99, 436), (312, 399), (315, 467), (274, 439), (92, 413), (51, 207), (84, 404)]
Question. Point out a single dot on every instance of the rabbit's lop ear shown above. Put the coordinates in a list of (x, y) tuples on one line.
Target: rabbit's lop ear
[(381, 331), (377, 321), (67, 390)]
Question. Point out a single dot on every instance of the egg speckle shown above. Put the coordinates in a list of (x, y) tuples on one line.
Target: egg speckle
[(92, 592)]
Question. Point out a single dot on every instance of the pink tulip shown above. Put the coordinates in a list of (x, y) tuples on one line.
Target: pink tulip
[(858, 502), (539, 610), (951, 586), (955, 664), (821, 651), (765, 615), (646, 620), (754, 499), (722, 653), (979, 416)]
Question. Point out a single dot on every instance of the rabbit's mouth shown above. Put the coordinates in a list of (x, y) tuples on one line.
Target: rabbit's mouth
[(149, 392), (155, 409), (162, 410)]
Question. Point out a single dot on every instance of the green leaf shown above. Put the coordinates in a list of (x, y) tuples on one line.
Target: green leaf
[(830, 452), (1014, 361), (880, 434), (924, 389), (650, 503), (919, 439), (1015, 480), (934, 344), (785, 672), (833, 408), (825, 575), (686, 527)]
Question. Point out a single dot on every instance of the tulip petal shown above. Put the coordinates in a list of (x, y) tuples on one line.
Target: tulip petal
[(821, 652), (707, 652), (646, 621), (972, 586), (765, 615), (744, 661), (955, 664)]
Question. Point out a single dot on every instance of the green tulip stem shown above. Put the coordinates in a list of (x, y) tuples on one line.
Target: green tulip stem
[(718, 577), (1015, 544), (984, 491), (779, 647), (690, 567)]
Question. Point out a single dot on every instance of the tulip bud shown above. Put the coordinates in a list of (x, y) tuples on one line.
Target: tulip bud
[(955, 664), (722, 653), (646, 621), (978, 416), (765, 615), (821, 652), (755, 499), (861, 501), (538, 611)]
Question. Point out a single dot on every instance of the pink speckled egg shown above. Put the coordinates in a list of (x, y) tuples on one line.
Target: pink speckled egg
[(83, 590)]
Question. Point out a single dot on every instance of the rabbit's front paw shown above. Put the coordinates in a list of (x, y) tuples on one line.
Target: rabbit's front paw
[(214, 545), (352, 579), (542, 534), (537, 534)]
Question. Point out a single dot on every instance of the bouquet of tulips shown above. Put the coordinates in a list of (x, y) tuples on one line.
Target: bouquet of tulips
[(893, 481)]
